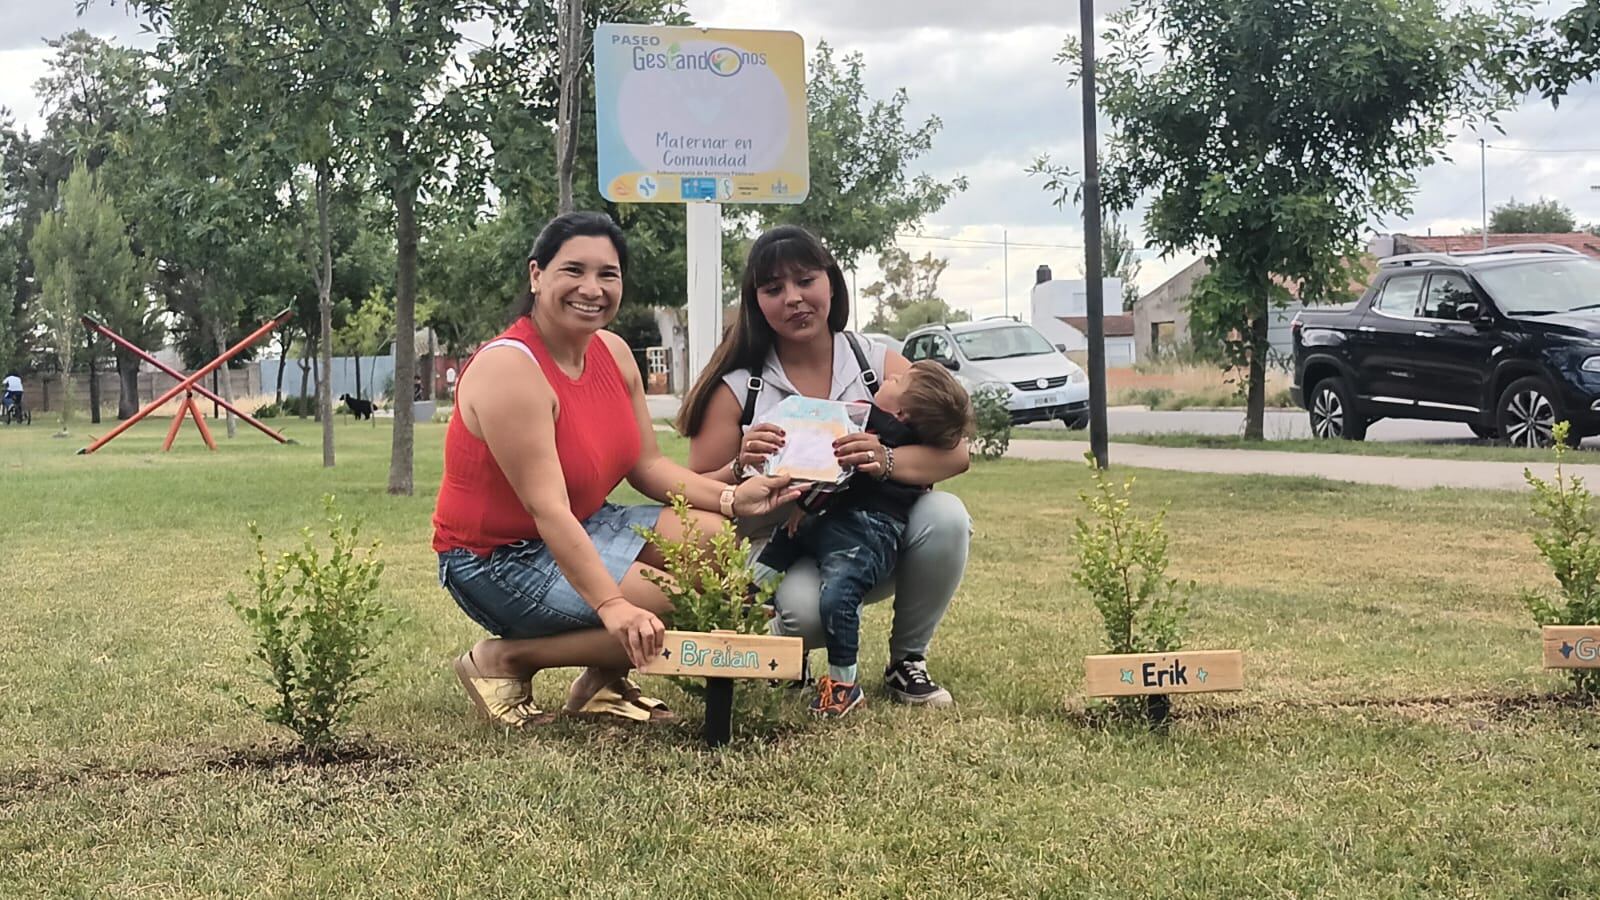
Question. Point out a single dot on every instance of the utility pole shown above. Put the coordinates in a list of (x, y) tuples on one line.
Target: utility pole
[(1005, 267), (1098, 441), (1483, 187)]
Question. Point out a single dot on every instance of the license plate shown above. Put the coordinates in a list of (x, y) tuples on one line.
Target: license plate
[(1045, 400)]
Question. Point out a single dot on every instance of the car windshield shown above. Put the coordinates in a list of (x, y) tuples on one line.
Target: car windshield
[(1544, 286), (1002, 343)]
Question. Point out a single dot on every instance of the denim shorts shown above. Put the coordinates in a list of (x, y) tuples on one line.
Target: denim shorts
[(518, 591)]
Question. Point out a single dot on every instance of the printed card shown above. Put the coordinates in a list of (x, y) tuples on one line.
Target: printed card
[(810, 427)]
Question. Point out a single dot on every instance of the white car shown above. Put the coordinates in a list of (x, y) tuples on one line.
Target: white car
[(1040, 382), (888, 340)]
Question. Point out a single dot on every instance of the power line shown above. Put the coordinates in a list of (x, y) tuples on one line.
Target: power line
[(1544, 149), (1026, 246)]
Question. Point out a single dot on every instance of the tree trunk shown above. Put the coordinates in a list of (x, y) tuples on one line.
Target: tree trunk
[(325, 310), (127, 383), (283, 363), (569, 44), (219, 337), (405, 328), (1256, 398), (305, 369), (94, 382), (358, 372)]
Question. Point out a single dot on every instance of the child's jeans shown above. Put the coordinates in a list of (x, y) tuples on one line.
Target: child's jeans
[(854, 549)]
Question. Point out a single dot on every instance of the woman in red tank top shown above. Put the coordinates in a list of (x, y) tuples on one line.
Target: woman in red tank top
[(550, 417)]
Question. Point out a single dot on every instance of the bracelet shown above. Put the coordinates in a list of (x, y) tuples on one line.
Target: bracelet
[(725, 503), (888, 463), (606, 603)]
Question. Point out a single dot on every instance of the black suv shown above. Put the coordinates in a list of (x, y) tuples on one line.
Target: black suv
[(1506, 340)]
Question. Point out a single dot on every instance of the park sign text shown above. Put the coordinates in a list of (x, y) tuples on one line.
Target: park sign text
[(1178, 672), (688, 115), (726, 654)]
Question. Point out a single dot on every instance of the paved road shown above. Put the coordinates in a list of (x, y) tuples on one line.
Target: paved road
[(1401, 472), (1279, 425)]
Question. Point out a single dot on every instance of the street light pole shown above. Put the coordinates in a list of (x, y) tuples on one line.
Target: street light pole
[(1093, 263), (1483, 188)]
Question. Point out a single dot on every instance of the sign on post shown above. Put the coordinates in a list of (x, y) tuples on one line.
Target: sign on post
[(1571, 646), (701, 116), (686, 115), (726, 654), (1180, 672)]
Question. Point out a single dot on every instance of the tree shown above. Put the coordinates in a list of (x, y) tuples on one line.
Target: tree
[(1272, 131), (908, 296), (906, 280), (96, 98), (420, 123), (82, 256), (572, 51), (860, 148), (1564, 51), (1120, 260), (1540, 217)]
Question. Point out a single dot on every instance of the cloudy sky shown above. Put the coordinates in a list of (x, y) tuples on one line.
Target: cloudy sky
[(986, 70)]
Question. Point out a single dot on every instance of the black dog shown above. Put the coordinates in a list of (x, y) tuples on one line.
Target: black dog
[(361, 409)]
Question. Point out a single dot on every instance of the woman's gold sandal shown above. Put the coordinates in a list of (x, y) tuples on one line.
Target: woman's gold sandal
[(507, 702)]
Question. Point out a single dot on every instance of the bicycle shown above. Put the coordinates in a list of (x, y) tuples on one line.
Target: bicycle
[(16, 412)]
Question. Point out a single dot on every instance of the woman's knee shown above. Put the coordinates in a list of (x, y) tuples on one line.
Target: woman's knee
[(798, 602), (937, 525)]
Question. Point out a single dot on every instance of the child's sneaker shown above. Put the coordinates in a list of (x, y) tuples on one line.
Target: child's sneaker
[(836, 698)]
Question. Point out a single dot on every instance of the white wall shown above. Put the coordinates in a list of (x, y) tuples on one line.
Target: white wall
[(1053, 299), (1120, 351)]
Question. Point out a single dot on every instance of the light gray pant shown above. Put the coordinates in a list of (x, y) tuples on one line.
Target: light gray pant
[(933, 556)]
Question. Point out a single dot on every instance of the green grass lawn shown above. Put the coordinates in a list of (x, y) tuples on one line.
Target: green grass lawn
[(1481, 451), (1396, 739)]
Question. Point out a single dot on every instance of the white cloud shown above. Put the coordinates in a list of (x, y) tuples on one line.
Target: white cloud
[(987, 71), (29, 23)]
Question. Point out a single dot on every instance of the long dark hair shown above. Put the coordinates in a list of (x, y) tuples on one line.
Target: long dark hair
[(782, 251), (555, 235)]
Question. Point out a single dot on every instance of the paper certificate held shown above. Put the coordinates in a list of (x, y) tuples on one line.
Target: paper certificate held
[(810, 427)]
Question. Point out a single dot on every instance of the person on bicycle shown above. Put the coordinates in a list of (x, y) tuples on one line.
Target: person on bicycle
[(12, 397)]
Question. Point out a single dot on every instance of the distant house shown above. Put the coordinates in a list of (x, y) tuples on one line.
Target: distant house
[(1161, 317), (1396, 244), (1059, 310)]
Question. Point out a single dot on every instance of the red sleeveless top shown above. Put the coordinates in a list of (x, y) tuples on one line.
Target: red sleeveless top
[(596, 441)]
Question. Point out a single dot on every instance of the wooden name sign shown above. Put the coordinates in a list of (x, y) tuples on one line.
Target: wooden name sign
[(1571, 646), (1182, 672), (726, 654)]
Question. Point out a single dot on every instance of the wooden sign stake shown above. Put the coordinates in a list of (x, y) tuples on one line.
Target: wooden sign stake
[(1156, 676), (721, 657), (1571, 646)]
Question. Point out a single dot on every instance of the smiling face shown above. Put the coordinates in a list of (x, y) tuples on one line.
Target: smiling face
[(581, 288), (796, 303)]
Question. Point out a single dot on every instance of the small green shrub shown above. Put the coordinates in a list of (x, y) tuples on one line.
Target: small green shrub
[(712, 586), (709, 582), (1566, 540), (268, 411), (993, 421), (317, 624), (1122, 564), (293, 406)]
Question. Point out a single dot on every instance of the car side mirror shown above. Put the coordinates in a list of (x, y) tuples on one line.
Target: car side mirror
[(1469, 312), (948, 363), (1061, 348)]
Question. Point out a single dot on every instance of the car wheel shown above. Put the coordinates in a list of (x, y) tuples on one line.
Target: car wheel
[(1333, 415), (1484, 432), (1528, 413), (1077, 423)]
